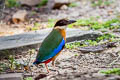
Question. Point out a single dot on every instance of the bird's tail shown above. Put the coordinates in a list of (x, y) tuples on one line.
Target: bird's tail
[(36, 62)]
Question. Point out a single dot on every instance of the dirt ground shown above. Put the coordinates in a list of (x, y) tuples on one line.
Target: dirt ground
[(83, 10), (73, 64)]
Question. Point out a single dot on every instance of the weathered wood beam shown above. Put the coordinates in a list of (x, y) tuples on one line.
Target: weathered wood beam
[(35, 37)]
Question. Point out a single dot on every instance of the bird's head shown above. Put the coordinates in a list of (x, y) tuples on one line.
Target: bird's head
[(62, 24)]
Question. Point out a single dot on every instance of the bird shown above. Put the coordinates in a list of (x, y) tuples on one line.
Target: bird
[(53, 44)]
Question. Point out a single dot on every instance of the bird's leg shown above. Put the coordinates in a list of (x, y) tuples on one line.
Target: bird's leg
[(53, 63), (53, 59), (47, 67)]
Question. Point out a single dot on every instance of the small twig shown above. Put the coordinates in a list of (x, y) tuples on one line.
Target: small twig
[(113, 62), (30, 52), (29, 63)]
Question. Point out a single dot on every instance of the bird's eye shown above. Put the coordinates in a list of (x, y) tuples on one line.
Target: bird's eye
[(61, 22)]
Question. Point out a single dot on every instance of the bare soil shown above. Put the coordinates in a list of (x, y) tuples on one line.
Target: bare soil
[(83, 10)]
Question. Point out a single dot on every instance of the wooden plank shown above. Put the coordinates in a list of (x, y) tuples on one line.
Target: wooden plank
[(36, 37)]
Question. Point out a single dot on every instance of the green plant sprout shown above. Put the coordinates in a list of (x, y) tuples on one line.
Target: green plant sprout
[(12, 3), (73, 4), (42, 3), (51, 22), (13, 63), (111, 71), (97, 41), (36, 26), (3, 67), (95, 25), (28, 78), (101, 2)]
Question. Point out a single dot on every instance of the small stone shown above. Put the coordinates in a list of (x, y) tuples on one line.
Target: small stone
[(11, 76), (87, 49), (98, 75), (116, 30), (64, 7), (40, 76), (19, 16), (115, 24), (113, 78), (30, 2), (59, 3), (87, 76)]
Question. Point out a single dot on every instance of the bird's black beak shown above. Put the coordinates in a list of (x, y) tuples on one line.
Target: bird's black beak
[(71, 21)]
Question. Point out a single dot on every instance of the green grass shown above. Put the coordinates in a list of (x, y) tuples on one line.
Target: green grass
[(108, 24), (12, 3), (3, 67), (72, 45), (36, 24), (73, 4), (97, 41), (92, 23), (51, 23), (111, 71), (42, 3), (95, 25), (13, 63), (101, 2), (36, 27), (28, 78), (87, 22)]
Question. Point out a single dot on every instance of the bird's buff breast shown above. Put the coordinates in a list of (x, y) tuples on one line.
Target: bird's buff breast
[(63, 33)]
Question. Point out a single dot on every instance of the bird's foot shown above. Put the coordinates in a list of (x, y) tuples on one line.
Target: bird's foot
[(54, 67), (53, 72), (53, 64)]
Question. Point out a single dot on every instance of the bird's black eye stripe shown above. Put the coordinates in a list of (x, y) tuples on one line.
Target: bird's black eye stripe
[(61, 23), (64, 22)]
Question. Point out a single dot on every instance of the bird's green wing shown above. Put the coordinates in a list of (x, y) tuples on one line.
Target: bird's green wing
[(52, 45)]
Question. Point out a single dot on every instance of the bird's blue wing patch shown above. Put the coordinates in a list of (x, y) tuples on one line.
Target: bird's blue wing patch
[(55, 51)]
